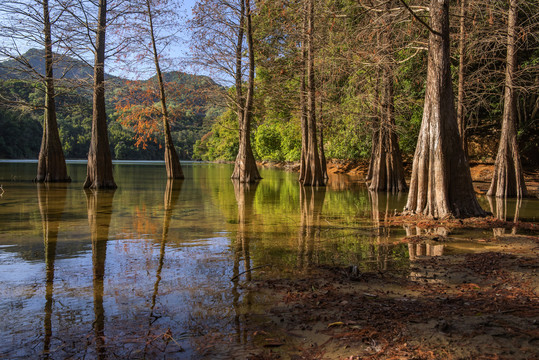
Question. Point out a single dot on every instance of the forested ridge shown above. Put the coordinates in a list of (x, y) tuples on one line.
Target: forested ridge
[(21, 124)]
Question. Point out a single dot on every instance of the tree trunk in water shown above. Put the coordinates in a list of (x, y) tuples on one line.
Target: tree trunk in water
[(377, 111), (323, 161), (461, 116), (302, 101), (441, 184), (245, 169), (313, 170), (508, 179), (387, 169), (172, 162), (51, 166), (99, 171)]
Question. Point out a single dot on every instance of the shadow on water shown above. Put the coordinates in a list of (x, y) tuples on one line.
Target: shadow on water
[(99, 205)]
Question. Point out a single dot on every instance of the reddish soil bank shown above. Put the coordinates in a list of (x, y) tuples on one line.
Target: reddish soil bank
[(481, 173)]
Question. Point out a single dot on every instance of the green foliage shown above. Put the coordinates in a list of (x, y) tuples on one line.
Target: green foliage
[(222, 142), (278, 141), (20, 135)]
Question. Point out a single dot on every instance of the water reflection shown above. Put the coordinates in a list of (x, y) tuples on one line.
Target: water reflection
[(311, 203), (51, 203), (424, 249), (501, 207), (172, 193), (99, 205), (145, 272), (245, 196)]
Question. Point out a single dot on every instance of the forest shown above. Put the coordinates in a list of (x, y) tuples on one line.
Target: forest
[(301, 81)]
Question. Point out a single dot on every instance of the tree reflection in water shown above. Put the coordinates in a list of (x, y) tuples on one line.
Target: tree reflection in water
[(245, 195), (311, 200), (51, 199), (172, 193), (99, 206), (500, 207)]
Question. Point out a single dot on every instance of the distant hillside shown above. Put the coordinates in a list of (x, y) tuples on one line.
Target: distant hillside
[(74, 107), (64, 66)]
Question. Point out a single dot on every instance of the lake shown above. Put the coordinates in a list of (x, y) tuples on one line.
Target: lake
[(163, 268)]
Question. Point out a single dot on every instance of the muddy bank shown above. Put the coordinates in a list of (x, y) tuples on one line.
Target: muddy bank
[(357, 170), (482, 305)]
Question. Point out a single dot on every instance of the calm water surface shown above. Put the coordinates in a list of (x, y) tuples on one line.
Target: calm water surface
[(160, 267)]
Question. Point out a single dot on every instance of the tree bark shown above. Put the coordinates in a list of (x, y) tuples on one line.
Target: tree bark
[(302, 100), (441, 184), (172, 162), (386, 169), (508, 178), (51, 166), (313, 170), (99, 171), (461, 116), (245, 169), (376, 120)]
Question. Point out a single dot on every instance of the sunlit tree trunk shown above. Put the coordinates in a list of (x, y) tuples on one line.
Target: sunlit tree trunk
[(302, 98), (51, 166), (441, 184), (386, 170), (313, 170), (99, 171), (172, 162), (245, 169), (508, 178)]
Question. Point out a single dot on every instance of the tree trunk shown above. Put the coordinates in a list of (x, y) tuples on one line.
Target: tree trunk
[(441, 184), (51, 166), (461, 116), (302, 101), (508, 179), (375, 122), (245, 169), (387, 172), (323, 160), (99, 171), (172, 162), (313, 170)]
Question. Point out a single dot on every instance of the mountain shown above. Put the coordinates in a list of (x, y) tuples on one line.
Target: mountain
[(64, 67), (186, 92)]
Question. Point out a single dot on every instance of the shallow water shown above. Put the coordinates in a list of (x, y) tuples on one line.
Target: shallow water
[(146, 270)]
